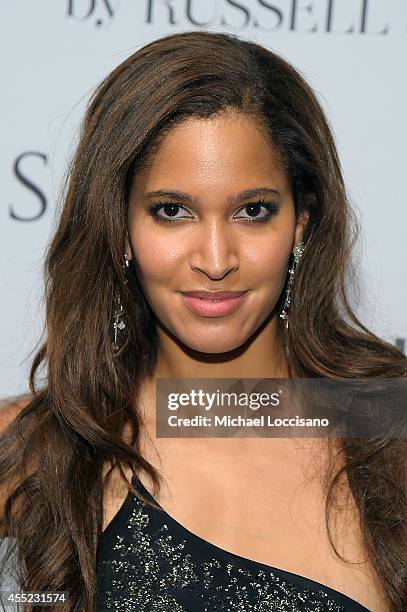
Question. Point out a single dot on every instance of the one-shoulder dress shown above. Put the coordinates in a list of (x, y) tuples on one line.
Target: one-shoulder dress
[(148, 562)]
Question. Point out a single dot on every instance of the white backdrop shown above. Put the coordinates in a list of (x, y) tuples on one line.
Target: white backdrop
[(353, 52)]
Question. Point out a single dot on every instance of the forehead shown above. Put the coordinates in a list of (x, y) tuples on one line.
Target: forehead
[(227, 147)]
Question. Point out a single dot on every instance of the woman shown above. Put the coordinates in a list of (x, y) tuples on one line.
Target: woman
[(205, 163)]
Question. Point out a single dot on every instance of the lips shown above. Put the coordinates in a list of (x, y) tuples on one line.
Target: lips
[(214, 295), (209, 304)]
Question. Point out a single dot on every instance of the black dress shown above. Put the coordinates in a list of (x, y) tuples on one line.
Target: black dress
[(148, 562)]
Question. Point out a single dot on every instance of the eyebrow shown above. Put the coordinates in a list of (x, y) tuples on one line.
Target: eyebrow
[(233, 197)]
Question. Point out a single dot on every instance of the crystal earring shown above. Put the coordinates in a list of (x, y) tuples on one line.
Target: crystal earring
[(118, 315), (298, 251), (125, 266)]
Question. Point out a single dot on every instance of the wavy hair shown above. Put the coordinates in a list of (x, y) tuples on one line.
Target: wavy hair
[(54, 450)]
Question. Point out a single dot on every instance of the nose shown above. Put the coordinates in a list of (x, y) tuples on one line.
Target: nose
[(215, 251)]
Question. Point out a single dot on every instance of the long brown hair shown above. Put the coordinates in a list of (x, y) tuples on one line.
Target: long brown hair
[(54, 450)]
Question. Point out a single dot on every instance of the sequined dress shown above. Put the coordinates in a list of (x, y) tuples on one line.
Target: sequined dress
[(148, 562)]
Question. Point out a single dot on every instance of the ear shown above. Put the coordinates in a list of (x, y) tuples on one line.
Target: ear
[(302, 221)]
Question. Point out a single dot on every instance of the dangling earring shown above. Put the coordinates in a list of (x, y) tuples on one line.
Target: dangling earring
[(125, 266), (118, 315), (298, 251)]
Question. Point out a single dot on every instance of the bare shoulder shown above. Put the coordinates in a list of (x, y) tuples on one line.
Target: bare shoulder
[(10, 409)]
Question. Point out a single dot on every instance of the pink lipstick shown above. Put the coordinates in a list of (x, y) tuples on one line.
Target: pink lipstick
[(213, 304)]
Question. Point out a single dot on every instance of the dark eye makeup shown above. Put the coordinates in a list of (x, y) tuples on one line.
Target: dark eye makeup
[(255, 207)]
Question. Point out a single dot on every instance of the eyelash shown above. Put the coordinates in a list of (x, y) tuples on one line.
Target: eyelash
[(272, 209)]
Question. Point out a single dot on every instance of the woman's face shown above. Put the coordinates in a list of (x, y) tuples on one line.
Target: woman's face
[(217, 237)]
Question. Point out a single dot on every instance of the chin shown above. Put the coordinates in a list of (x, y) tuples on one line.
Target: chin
[(214, 346)]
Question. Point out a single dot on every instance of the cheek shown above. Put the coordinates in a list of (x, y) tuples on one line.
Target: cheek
[(156, 258), (267, 261)]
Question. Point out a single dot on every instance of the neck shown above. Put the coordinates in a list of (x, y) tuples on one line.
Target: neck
[(262, 356)]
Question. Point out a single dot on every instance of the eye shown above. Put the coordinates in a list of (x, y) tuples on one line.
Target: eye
[(254, 212), (169, 208)]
